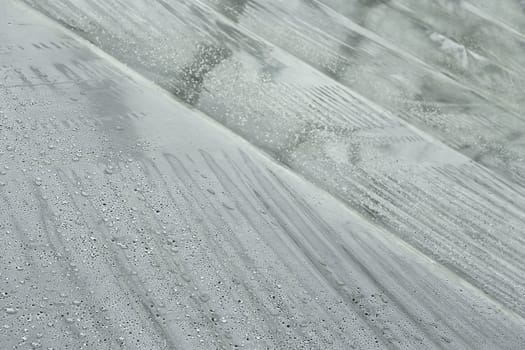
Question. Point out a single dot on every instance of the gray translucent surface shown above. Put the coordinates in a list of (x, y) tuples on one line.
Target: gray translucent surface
[(262, 174)]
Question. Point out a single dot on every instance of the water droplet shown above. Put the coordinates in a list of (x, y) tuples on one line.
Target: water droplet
[(122, 245), (10, 310)]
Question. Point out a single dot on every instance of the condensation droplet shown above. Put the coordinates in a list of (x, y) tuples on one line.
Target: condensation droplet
[(10, 310)]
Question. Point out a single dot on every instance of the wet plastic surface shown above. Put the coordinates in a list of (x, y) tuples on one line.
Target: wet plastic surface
[(375, 199)]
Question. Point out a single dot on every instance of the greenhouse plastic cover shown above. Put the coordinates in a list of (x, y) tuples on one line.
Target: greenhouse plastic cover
[(262, 174)]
